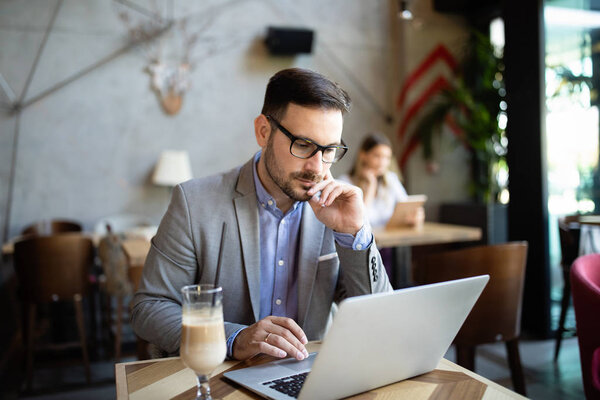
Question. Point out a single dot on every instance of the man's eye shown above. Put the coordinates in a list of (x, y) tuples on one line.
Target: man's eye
[(301, 144)]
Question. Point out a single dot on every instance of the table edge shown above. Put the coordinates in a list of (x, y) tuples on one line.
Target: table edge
[(481, 378)]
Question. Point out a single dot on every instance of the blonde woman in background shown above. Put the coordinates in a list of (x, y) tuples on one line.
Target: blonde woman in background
[(381, 187)]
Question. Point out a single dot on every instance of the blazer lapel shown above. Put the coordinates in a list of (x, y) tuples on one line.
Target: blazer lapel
[(311, 240), (248, 224)]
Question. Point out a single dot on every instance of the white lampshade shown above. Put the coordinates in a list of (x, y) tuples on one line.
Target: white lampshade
[(172, 168)]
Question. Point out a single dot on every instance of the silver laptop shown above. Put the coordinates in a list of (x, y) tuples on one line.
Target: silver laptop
[(374, 340)]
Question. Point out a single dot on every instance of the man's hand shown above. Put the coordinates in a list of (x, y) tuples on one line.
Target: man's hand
[(276, 336), (340, 206)]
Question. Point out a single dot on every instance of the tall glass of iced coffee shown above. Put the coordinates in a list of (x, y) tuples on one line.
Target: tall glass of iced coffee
[(202, 334)]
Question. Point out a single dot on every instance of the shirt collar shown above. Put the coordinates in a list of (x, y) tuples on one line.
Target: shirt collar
[(264, 198)]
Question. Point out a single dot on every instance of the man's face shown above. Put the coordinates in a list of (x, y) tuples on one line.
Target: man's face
[(293, 175)]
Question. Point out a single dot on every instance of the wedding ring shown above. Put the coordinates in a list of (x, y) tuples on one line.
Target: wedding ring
[(267, 338)]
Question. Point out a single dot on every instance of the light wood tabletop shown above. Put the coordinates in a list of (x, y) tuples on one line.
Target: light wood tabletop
[(589, 219), (429, 233), (168, 378)]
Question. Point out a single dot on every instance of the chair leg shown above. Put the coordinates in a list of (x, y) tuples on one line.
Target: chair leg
[(564, 306), (30, 332), (119, 328), (516, 370), (465, 356), (93, 322), (81, 329)]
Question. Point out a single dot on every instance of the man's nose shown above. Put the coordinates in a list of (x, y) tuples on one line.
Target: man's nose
[(315, 163)]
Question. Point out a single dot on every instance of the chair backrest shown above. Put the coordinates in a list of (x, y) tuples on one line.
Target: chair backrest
[(135, 251), (585, 286), (53, 267), (497, 314), (51, 227)]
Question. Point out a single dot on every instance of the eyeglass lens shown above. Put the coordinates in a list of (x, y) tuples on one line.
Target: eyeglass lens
[(303, 149)]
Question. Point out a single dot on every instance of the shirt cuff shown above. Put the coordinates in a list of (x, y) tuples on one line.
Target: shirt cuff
[(362, 240), (230, 341)]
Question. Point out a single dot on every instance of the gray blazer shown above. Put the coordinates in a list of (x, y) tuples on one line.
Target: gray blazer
[(185, 251)]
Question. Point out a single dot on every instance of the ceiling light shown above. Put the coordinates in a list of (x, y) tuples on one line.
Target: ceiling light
[(405, 13)]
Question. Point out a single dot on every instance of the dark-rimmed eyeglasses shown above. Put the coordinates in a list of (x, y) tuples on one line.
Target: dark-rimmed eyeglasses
[(306, 148)]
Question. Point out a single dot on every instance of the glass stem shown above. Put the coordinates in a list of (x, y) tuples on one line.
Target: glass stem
[(203, 388)]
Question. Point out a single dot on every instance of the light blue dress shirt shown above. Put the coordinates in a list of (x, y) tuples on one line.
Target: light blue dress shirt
[(278, 253)]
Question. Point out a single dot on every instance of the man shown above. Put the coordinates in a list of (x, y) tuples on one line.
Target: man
[(296, 238)]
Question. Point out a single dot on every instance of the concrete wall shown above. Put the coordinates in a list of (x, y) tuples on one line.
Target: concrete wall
[(87, 150)]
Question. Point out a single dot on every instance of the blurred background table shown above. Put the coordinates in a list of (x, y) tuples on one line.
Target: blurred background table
[(429, 233), (403, 239)]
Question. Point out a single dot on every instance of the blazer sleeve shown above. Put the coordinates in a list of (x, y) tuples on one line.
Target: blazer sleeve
[(361, 272), (171, 264)]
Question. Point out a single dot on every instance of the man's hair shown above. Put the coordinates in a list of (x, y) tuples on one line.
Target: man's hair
[(305, 88)]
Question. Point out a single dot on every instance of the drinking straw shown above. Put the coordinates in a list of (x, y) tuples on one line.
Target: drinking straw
[(220, 259)]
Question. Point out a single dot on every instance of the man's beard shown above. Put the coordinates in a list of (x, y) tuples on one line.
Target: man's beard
[(287, 185)]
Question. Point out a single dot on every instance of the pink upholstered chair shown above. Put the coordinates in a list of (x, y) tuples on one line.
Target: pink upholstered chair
[(585, 287)]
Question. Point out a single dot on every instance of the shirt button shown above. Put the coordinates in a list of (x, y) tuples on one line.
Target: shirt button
[(262, 204), (270, 202), (359, 246), (280, 262), (278, 302)]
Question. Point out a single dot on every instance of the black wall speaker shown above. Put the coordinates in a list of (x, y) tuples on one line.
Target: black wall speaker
[(288, 41), (491, 8)]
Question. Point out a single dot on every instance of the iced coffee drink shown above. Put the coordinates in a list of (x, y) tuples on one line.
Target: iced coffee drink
[(202, 346), (203, 340)]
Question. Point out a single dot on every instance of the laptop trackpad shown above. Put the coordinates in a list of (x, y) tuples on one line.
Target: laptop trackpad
[(295, 365)]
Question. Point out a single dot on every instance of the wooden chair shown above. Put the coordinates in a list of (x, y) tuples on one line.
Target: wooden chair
[(136, 251), (569, 232), (51, 227), (497, 314), (49, 269)]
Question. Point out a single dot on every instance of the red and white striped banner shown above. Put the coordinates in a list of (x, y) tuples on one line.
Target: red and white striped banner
[(428, 79)]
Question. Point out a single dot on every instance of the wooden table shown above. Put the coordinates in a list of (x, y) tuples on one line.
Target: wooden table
[(589, 219), (135, 247), (429, 233), (589, 234), (168, 378)]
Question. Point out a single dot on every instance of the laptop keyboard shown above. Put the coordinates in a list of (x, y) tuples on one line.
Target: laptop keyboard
[(289, 385)]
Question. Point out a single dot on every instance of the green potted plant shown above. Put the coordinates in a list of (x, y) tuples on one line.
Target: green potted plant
[(473, 106)]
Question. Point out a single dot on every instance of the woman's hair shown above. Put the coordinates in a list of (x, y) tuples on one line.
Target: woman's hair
[(374, 139), (370, 141)]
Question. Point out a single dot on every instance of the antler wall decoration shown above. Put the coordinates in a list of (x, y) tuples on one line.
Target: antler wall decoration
[(169, 57)]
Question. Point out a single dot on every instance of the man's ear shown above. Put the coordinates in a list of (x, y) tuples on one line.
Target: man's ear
[(262, 130)]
